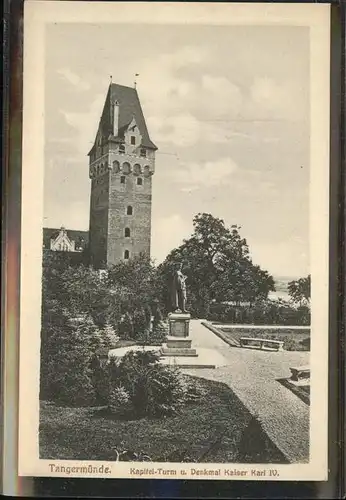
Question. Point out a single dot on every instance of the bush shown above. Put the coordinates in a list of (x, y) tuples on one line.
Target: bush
[(140, 322), (192, 390), (110, 336), (156, 337), (154, 390), (268, 312), (126, 329), (70, 370), (159, 333), (119, 401)]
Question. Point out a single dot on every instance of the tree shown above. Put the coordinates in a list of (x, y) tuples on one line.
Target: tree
[(218, 266), (300, 290), (75, 289), (67, 351), (136, 283)]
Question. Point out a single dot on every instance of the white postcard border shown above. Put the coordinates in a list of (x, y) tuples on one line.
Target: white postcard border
[(37, 15)]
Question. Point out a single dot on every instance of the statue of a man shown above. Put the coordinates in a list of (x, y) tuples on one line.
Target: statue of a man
[(179, 290)]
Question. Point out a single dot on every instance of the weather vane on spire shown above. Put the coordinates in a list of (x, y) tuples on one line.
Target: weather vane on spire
[(135, 82)]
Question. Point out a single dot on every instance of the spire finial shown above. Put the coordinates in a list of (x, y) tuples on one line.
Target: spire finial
[(111, 79), (135, 82)]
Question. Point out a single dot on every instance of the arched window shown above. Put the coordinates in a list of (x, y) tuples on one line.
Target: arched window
[(126, 168), (127, 232), (126, 254), (139, 181), (136, 169), (116, 166), (129, 210)]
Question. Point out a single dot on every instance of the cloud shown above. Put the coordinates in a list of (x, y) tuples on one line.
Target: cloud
[(244, 181), (73, 79), (181, 130), (271, 99), (168, 233), (85, 124), (194, 175), (161, 86), (185, 130)]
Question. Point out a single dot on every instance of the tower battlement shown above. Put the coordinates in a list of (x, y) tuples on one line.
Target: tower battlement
[(121, 166)]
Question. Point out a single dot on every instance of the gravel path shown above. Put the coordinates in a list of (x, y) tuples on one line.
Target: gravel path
[(252, 376)]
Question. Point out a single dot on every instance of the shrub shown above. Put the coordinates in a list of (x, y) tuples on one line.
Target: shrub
[(268, 312), (140, 322), (154, 390), (192, 390), (68, 363), (110, 336), (159, 333), (156, 337), (119, 400), (126, 327), (160, 328)]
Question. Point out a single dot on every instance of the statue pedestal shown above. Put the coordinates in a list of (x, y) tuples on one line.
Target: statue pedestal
[(179, 324), (178, 342)]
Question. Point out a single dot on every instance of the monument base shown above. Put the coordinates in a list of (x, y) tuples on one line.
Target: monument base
[(175, 351), (178, 346), (178, 342), (179, 323)]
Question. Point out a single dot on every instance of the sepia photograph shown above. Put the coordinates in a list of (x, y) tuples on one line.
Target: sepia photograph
[(176, 265)]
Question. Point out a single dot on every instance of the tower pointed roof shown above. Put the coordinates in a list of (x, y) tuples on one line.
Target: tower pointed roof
[(129, 108)]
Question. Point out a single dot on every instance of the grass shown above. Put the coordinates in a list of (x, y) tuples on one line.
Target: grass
[(94, 434), (294, 339)]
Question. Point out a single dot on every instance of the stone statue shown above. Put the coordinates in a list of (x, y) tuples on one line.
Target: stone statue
[(179, 291)]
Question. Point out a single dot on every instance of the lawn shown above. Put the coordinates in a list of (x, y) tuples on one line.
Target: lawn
[(294, 339), (216, 429)]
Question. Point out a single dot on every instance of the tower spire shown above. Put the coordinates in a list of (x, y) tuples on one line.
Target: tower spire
[(135, 82)]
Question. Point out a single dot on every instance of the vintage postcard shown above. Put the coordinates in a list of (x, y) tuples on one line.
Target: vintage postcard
[(174, 267)]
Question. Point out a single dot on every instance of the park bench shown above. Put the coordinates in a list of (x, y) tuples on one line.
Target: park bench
[(264, 344), (300, 373)]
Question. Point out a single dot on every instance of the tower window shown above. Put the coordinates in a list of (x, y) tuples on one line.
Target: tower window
[(127, 232), (136, 169), (129, 210), (143, 152), (126, 254), (139, 181), (122, 179), (116, 166), (133, 140), (121, 148)]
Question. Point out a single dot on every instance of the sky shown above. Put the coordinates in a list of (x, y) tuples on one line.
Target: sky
[(228, 108)]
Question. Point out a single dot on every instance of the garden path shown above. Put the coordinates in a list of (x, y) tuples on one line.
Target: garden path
[(253, 375)]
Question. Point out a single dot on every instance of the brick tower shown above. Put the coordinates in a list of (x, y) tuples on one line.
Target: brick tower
[(121, 165)]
